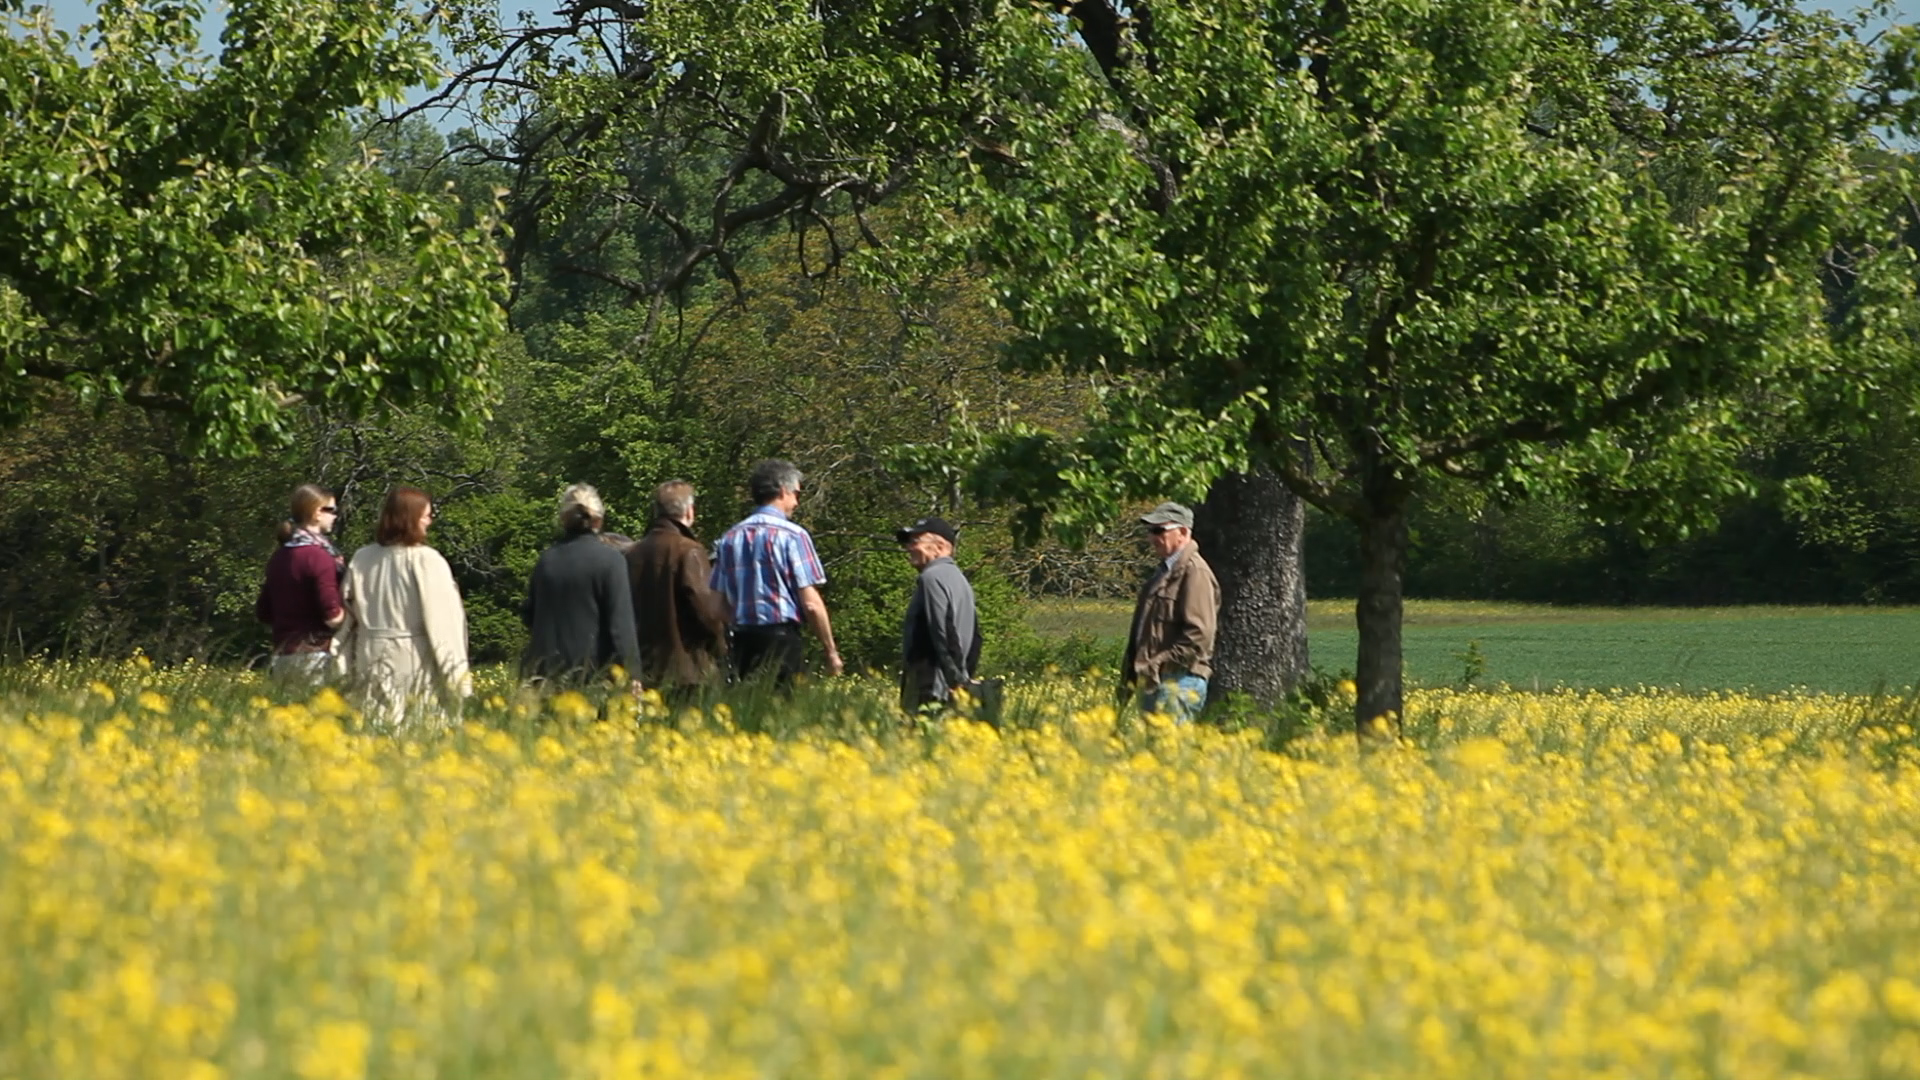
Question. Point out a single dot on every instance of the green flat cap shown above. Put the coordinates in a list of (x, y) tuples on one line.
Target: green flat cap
[(1168, 513)]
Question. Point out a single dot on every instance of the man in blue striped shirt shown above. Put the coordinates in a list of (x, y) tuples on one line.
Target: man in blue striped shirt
[(770, 575)]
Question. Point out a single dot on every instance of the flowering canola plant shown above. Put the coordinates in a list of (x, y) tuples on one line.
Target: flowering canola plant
[(1546, 885)]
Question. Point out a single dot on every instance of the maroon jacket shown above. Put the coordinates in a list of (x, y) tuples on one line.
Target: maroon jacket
[(301, 593)]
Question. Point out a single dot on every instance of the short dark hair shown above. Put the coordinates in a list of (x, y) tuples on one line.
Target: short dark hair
[(400, 517), (772, 477)]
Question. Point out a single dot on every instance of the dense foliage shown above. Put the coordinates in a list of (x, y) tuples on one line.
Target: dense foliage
[(176, 233)]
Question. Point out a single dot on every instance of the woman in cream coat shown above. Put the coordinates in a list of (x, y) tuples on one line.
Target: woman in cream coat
[(405, 639)]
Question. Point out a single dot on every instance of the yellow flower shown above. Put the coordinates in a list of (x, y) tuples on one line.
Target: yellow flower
[(573, 706), (1902, 999), (1546, 887), (334, 1050), (328, 702)]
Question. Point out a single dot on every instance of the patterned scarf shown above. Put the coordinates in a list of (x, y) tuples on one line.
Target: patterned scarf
[(307, 538)]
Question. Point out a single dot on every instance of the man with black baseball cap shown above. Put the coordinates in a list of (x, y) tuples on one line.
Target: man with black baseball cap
[(940, 643)]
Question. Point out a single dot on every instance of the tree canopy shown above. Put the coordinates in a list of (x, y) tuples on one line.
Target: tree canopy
[(681, 134), (179, 232), (1601, 255), (1549, 247)]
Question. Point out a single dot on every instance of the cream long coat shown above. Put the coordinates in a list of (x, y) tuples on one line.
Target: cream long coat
[(405, 637)]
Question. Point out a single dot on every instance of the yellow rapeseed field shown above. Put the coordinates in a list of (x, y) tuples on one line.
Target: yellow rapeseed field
[(1561, 885)]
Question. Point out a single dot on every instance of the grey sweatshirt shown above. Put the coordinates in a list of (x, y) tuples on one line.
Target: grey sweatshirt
[(942, 600)]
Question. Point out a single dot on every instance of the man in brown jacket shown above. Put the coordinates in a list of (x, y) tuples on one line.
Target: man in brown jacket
[(1170, 650), (682, 622)]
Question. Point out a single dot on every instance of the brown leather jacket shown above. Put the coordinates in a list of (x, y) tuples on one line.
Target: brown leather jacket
[(1173, 623), (682, 622)]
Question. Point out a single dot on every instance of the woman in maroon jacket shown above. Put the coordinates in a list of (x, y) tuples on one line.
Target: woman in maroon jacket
[(301, 596)]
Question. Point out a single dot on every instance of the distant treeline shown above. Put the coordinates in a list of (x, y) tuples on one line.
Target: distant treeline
[(1850, 536), (1757, 556), (111, 539)]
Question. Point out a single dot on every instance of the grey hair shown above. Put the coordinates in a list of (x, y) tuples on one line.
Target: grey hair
[(672, 500), (581, 509), (771, 478)]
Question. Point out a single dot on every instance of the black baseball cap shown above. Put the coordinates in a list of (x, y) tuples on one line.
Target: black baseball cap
[(938, 526)]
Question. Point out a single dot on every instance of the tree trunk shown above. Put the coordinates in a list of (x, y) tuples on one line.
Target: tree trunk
[(1252, 530), (1378, 612)]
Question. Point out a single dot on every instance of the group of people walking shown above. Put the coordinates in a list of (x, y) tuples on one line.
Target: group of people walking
[(390, 623), (391, 617)]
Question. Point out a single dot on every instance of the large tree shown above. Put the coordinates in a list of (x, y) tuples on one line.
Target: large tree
[(1321, 250), (655, 146), (179, 232), (1356, 245)]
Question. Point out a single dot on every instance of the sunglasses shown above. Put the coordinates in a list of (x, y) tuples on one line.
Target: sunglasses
[(1161, 530), (330, 510)]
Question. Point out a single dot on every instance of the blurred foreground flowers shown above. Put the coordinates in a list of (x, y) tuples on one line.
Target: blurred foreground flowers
[(197, 882)]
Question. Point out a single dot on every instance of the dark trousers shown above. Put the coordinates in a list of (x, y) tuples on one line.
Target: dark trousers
[(776, 647)]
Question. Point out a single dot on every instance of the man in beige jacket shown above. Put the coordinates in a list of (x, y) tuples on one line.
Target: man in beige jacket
[(1170, 649)]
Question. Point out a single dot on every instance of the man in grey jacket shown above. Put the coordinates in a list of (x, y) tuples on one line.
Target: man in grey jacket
[(940, 643)]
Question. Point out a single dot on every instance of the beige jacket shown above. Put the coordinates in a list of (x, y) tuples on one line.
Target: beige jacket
[(1173, 623), (405, 636)]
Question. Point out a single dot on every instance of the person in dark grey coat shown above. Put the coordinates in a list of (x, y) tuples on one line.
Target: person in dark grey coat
[(940, 643), (579, 606)]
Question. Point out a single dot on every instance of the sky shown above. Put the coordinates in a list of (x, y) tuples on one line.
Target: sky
[(71, 14)]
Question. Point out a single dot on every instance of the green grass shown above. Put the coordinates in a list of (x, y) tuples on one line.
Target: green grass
[(1838, 650)]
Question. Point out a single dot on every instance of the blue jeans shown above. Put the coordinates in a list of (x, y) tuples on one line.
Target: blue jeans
[(1179, 696)]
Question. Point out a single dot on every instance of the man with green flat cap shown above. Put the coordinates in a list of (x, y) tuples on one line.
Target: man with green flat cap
[(1169, 654)]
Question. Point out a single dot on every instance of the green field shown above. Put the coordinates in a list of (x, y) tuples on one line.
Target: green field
[(1841, 650)]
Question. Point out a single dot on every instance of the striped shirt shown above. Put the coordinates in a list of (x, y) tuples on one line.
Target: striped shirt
[(761, 565)]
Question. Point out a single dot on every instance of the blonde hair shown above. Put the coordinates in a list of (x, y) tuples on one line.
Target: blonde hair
[(302, 509), (581, 509)]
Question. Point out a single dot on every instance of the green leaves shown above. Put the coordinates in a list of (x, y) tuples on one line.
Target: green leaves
[(177, 233), (696, 127), (1136, 445), (1553, 247)]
